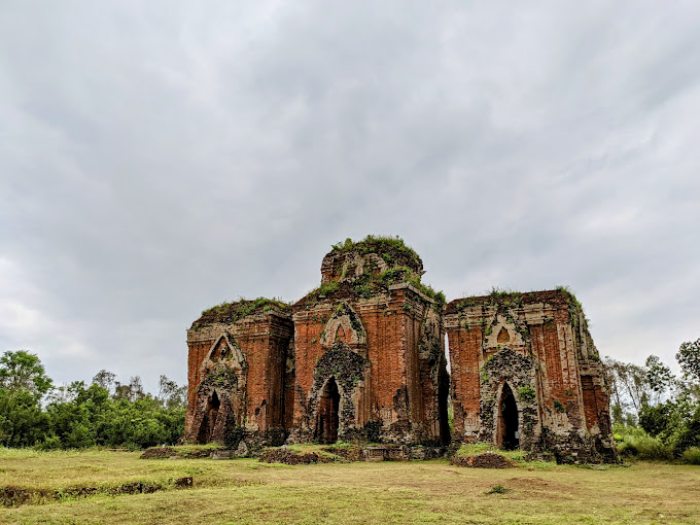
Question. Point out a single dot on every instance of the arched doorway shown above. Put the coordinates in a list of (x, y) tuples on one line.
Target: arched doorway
[(508, 434), (211, 414), (327, 414)]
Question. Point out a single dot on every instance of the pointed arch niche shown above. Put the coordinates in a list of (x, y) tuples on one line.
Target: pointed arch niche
[(221, 395), (344, 326)]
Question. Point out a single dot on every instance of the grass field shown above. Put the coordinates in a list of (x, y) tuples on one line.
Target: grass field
[(245, 491)]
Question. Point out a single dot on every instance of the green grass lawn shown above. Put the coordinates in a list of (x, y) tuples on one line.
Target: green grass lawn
[(245, 491)]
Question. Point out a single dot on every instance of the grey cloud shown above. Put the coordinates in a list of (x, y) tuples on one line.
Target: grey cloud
[(158, 158)]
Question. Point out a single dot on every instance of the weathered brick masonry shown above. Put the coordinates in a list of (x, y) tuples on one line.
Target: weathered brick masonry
[(237, 362), (362, 357), (531, 352)]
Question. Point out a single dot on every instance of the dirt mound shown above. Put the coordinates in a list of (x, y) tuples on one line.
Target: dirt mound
[(12, 496), (289, 457), (484, 460), (186, 453), (347, 453), (350, 453), (159, 453)]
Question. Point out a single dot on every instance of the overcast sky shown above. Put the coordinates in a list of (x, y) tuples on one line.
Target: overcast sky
[(160, 157)]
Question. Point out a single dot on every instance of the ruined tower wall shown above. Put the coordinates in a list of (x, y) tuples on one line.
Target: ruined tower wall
[(465, 388)]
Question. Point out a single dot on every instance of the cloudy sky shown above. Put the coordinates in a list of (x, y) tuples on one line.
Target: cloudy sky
[(160, 157)]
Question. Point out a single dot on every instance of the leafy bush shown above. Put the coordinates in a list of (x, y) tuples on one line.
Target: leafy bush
[(692, 455), (635, 442), (655, 419), (687, 433)]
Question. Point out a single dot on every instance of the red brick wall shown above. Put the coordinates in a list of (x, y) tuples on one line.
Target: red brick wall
[(465, 360), (392, 335)]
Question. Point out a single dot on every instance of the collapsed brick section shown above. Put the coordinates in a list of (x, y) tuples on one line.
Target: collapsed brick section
[(362, 358), (526, 374)]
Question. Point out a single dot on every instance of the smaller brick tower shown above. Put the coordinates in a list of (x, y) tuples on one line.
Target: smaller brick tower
[(236, 373), (526, 374)]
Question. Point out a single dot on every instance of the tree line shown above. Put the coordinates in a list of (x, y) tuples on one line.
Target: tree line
[(656, 413), (105, 412)]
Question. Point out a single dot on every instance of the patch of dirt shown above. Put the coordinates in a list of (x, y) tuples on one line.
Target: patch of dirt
[(485, 460), (531, 483), (159, 453)]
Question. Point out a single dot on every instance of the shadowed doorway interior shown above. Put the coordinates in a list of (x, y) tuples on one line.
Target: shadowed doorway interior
[(327, 417), (508, 434), (209, 420)]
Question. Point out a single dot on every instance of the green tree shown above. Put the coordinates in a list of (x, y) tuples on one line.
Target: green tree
[(171, 394), (105, 379), (75, 417), (658, 375), (22, 422), (132, 391), (688, 357), (22, 370), (629, 387), (23, 382)]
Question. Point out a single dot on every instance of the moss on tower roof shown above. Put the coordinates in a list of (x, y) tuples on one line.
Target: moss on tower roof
[(392, 249), (561, 295), (228, 313), (369, 285)]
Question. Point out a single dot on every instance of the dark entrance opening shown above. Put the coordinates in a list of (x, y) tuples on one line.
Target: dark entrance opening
[(508, 420), (209, 420), (327, 415), (443, 396)]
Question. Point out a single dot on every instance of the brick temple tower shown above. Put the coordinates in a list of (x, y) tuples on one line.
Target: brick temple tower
[(369, 354), (526, 374), (236, 372), (362, 358)]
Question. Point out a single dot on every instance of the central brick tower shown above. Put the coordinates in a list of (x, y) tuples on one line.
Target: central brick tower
[(368, 346)]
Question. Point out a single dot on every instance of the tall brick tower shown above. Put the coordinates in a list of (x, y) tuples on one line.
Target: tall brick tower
[(369, 352)]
